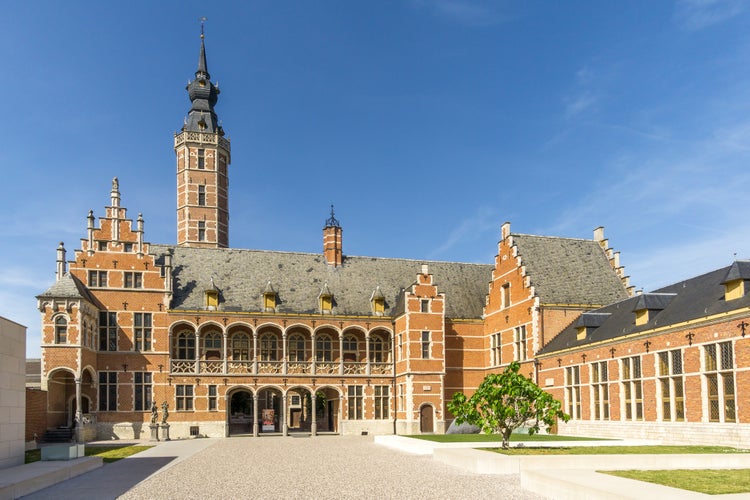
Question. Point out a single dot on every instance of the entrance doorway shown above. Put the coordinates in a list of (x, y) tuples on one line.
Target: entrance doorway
[(241, 413), (425, 419), (270, 418)]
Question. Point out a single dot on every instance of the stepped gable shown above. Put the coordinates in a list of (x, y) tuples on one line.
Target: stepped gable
[(691, 299), (568, 271), (298, 278)]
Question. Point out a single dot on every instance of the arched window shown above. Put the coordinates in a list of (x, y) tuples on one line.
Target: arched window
[(269, 347), (296, 348), (323, 348), (350, 348), (212, 345), (377, 350), (184, 346), (61, 330), (240, 347)]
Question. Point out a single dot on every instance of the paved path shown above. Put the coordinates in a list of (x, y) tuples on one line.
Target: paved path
[(285, 467)]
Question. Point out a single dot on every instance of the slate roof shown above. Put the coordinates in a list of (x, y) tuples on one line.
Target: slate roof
[(298, 279), (68, 287), (693, 298), (569, 271)]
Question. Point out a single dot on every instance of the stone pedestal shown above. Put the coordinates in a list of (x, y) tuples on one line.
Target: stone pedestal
[(165, 431), (154, 432)]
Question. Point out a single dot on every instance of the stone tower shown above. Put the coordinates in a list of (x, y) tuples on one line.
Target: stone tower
[(203, 157)]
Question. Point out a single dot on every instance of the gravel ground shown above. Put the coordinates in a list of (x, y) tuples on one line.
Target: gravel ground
[(323, 467)]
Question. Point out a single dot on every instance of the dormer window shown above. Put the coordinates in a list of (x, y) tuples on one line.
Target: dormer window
[(211, 294), (649, 305), (735, 281), (269, 298), (588, 322), (377, 300), (326, 300)]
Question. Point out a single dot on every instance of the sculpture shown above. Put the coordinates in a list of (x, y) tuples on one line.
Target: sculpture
[(154, 412), (164, 412)]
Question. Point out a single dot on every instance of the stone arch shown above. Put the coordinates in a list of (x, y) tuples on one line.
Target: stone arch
[(240, 409), (328, 420), (270, 409), (354, 344), (299, 412), (61, 387)]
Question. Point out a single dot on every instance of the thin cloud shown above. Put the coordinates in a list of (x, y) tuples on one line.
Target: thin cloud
[(695, 15), (483, 220), (470, 13)]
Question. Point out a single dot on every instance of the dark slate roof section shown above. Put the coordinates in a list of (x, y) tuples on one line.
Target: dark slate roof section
[(569, 271), (69, 287), (694, 298), (653, 301), (298, 278), (591, 319), (739, 270)]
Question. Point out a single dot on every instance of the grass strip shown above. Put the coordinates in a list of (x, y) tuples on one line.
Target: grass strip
[(619, 450), (709, 481), (492, 438), (109, 454)]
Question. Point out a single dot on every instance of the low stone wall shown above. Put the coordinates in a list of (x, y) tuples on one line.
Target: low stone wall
[(371, 427)]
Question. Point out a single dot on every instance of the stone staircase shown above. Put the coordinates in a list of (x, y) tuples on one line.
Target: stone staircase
[(58, 435)]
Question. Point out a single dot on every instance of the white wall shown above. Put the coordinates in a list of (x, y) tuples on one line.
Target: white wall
[(12, 393)]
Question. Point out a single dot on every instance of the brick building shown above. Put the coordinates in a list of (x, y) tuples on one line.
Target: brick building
[(240, 341)]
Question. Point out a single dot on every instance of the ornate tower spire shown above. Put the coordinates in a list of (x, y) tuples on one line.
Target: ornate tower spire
[(203, 157), (332, 241)]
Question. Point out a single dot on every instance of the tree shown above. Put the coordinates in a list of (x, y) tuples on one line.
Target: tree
[(506, 401)]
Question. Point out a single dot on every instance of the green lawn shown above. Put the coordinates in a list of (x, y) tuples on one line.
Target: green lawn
[(712, 482), (478, 438), (108, 453), (618, 450)]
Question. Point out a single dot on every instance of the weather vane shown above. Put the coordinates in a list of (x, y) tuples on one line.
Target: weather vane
[(203, 20)]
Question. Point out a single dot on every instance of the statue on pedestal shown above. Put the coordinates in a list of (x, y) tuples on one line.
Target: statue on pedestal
[(164, 412), (154, 412)]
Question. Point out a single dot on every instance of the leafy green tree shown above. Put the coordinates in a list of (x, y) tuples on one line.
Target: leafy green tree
[(506, 401)]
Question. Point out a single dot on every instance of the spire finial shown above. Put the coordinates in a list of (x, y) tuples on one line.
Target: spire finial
[(332, 222), (203, 20)]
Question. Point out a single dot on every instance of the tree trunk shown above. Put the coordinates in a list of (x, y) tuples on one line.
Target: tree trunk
[(506, 438)]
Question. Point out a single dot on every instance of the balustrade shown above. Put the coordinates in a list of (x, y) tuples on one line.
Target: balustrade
[(240, 367), (298, 367), (354, 368), (183, 366), (381, 368), (211, 366)]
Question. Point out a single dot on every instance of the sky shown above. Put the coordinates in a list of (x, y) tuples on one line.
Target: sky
[(426, 123)]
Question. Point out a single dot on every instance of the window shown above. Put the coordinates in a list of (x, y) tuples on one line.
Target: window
[(632, 386), (61, 330), (505, 296), (400, 346), (323, 348), (185, 346), (354, 402), (296, 347), (573, 391), (425, 345), (240, 347), (212, 346), (107, 391), (201, 231), (202, 195), (127, 247), (519, 343), (326, 303), (269, 347), (97, 278), (142, 390), (212, 398), (350, 348), (107, 331), (496, 349), (382, 393), (719, 368), (671, 385), (424, 306), (184, 397), (377, 350), (133, 279), (142, 327), (102, 246), (201, 159), (600, 390)]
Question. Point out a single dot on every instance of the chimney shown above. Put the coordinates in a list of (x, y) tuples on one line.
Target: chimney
[(332, 245), (61, 265)]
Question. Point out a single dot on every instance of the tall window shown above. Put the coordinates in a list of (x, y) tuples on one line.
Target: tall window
[(201, 231), (185, 346), (425, 345), (632, 388), (142, 327), (495, 349), (107, 331), (505, 296), (424, 305), (719, 373), (671, 385), (184, 397), (240, 347), (296, 349), (573, 391), (269, 347), (142, 390), (354, 402), (377, 350), (323, 348), (519, 342), (201, 195), (350, 348), (382, 392), (600, 390), (133, 279), (400, 346), (61, 330), (212, 398), (107, 391), (97, 278), (201, 159)]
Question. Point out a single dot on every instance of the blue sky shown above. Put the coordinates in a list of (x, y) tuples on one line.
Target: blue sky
[(428, 123)]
